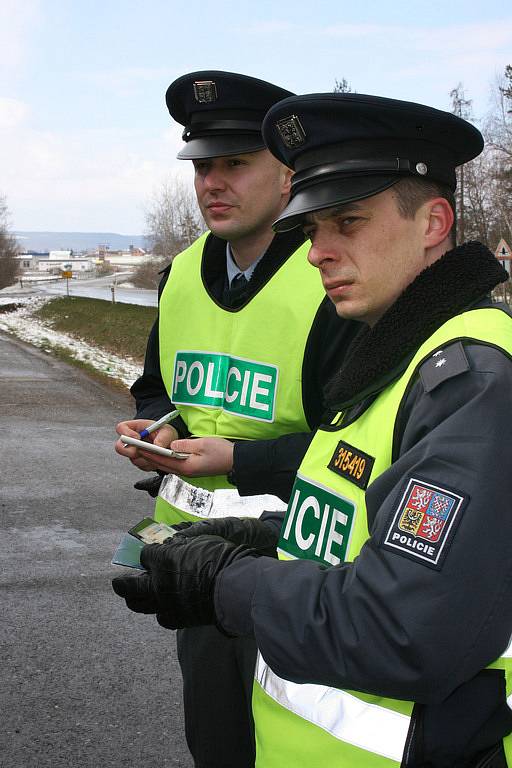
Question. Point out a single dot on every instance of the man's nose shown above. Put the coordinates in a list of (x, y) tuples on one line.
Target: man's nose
[(214, 179), (314, 255), (320, 250)]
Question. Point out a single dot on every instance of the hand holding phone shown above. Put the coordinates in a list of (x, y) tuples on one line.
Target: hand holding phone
[(153, 448)]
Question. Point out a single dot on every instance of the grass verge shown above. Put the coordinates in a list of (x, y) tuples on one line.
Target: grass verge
[(95, 373), (119, 328)]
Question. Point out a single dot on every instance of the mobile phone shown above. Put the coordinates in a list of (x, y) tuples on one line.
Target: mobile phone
[(153, 448), (147, 531)]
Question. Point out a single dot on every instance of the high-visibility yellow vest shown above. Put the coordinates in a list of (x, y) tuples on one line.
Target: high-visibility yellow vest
[(314, 726), (236, 373)]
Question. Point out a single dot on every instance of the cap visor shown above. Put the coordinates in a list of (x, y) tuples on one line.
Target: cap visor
[(219, 146), (327, 194)]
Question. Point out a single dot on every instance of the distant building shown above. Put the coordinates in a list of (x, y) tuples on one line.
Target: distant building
[(26, 261), (53, 262), (29, 260), (65, 260), (60, 255), (56, 265), (122, 259)]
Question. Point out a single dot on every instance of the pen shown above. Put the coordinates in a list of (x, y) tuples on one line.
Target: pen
[(164, 420)]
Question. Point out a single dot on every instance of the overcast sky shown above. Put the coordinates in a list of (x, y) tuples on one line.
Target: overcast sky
[(85, 137)]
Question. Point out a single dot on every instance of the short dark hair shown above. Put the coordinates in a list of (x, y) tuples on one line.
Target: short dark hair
[(412, 193)]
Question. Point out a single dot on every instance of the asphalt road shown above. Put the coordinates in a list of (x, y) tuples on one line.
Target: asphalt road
[(98, 288), (83, 681)]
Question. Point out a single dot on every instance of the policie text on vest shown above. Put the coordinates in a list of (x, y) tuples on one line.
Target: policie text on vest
[(236, 385)]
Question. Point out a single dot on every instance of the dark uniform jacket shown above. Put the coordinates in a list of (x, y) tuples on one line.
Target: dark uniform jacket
[(387, 624)]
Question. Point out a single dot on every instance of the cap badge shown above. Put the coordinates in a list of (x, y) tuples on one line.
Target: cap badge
[(205, 91), (291, 131), (422, 169)]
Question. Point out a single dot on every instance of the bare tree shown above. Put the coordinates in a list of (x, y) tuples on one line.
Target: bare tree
[(506, 88), (173, 220), (342, 86), (499, 125), (462, 108), (8, 249), (485, 184), (498, 131), (479, 188)]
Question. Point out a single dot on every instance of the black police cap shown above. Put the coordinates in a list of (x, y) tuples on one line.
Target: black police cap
[(348, 146), (222, 112)]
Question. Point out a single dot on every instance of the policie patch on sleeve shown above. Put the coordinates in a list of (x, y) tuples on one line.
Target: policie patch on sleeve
[(424, 524)]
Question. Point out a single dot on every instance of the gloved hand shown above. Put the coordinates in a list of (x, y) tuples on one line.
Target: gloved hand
[(180, 579), (243, 531), (150, 484), (137, 591)]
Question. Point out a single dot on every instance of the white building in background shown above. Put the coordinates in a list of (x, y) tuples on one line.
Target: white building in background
[(54, 263), (60, 255), (66, 261), (65, 264), (124, 260), (27, 261)]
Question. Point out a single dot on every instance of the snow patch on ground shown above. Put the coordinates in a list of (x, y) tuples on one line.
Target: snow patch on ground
[(21, 323)]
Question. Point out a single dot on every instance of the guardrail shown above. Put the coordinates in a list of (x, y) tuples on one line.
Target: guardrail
[(82, 275), (85, 274), (42, 279)]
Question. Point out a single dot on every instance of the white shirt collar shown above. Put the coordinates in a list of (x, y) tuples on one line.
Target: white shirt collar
[(233, 270)]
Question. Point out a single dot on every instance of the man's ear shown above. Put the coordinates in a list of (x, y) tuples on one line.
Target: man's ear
[(438, 221), (286, 182)]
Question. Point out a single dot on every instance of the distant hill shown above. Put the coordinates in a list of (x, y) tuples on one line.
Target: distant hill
[(77, 241)]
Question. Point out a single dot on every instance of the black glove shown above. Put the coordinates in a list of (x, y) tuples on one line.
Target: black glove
[(180, 579), (137, 591), (243, 531), (150, 484)]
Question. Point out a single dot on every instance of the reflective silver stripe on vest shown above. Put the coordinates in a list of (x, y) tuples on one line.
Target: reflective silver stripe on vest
[(347, 718), (223, 502)]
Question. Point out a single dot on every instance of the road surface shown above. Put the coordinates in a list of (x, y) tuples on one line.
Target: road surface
[(85, 683), (94, 288)]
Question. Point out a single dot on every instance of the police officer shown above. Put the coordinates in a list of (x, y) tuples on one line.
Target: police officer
[(384, 637), (239, 348)]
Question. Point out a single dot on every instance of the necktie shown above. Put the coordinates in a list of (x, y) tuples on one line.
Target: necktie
[(238, 282), (235, 296)]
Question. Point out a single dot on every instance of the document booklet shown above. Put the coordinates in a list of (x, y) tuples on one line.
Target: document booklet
[(147, 531)]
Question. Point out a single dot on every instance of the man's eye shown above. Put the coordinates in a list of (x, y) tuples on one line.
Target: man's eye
[(235, 161), (201, 167), (309, 232)]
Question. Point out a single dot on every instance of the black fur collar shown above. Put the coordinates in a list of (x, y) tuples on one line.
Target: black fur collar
[(460, 278)]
